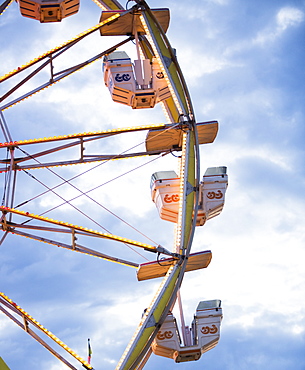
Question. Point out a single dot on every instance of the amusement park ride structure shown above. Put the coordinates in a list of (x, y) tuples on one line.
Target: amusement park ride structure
[(153, 78)]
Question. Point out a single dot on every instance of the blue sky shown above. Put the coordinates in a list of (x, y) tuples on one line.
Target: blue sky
[(243, 62)]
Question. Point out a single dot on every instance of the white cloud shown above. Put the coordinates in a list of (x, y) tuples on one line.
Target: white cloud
[(289, 17), (285, 18), (200, 64)]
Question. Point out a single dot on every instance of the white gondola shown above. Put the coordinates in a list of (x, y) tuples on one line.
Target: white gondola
[(165, 193), (205, 334), (140, 84), (48, 10)]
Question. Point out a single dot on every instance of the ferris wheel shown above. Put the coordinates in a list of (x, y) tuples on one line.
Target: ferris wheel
[(180, 196)]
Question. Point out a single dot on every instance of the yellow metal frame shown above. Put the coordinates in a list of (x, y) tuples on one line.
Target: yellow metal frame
[(179, 109), (168, 290), (28, 319)]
